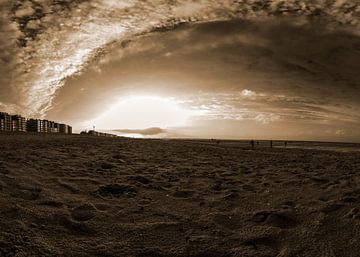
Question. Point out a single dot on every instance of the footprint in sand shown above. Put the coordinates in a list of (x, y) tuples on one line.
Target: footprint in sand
[(103, 206), (275, 219), (287, 206), (4, 169), (25, 195), (353, 214), (144, 202), (51, 203), (141, 179), (262, 240), (119, 158), (219, 186), (229, 221), (231, 196), (64, 219), (351, 196), (183, 193), (84, 212), (249, 188), (106, 165), (331, 207), (258, 245), (150, 253), (26, 191), (117, 190)]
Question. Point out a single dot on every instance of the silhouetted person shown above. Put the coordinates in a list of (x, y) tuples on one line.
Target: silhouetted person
[(252, 143), (257, 143), (271, 144), (285, 144)]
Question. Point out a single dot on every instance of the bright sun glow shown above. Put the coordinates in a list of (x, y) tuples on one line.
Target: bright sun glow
[(142, 112)]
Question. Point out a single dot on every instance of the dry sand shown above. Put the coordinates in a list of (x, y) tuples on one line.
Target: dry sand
[(88, 196)]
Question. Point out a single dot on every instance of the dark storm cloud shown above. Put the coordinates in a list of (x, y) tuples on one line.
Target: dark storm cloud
[(56, 39), (294, 68)]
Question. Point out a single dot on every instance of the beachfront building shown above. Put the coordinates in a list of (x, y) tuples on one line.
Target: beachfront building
[(54, 127), (34, 125), (12, 123), (63, 128), (96, 133), (5, 121), (46, 126), (18, 123)]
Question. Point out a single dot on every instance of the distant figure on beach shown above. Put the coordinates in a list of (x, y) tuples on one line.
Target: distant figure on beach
[(285, 144), (257, 143), (252, 144), (215, 141), (271, 144)]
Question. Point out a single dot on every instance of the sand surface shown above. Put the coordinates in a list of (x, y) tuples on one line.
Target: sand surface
[(88, 196)]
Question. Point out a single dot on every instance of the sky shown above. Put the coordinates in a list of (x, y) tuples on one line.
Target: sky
[(227, 69)]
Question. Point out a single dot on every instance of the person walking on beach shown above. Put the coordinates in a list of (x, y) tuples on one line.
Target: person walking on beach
[(285, 144), (252, 144), (271, 144)]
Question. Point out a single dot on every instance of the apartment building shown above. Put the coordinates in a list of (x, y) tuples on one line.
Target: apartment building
[(63, 128), (17, 123), (34, 125), (5, 121)]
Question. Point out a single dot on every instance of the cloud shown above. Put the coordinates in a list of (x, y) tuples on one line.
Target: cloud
[(340, 132), (293, 74), (267, 108), (266, 118), (54, 40), (144, 132), (248, 93)]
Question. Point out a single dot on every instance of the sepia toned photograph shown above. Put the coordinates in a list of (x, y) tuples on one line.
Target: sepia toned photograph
[(180, 128)]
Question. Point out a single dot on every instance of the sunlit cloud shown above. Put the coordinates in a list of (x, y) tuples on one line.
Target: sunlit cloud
[(248, 93), (56, 40), (265, 108), (143, 112), (266, 118)]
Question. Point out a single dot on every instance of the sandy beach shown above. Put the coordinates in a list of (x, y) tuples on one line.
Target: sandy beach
[(91, 196)]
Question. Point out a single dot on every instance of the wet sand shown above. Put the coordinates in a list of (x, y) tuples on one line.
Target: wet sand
[(89, 196)]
